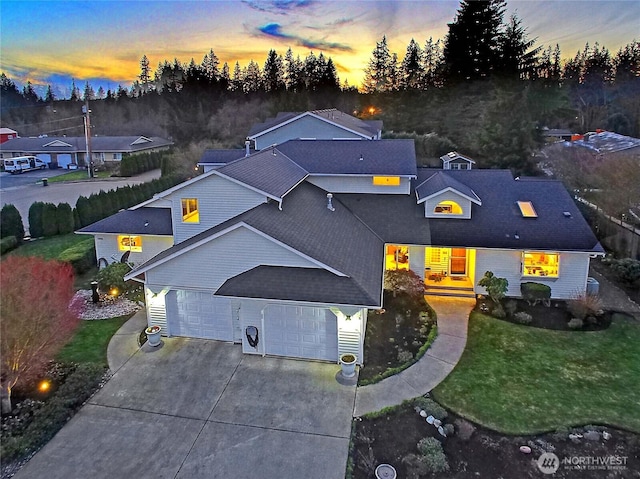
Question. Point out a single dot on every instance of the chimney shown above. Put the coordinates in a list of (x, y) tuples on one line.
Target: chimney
[(246, 147), (329, 205)]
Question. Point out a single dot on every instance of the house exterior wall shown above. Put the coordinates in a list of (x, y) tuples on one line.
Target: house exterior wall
[(219, 199), (210, 265), (431, 203), (107, 247), (417, 260), (305, 127), (572, 278), (358, 184)]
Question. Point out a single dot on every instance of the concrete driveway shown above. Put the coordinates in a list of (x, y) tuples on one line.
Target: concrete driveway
[(201, 409)]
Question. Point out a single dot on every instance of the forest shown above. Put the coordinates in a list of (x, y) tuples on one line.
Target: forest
[(486, 89)]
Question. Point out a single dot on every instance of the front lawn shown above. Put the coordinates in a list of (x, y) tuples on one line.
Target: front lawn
[(79, 175), (89, 344), (523, 380), (50, 248)]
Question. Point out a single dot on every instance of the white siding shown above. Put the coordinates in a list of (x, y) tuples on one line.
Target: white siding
[(351, 333), (417, 260), (431, 203), (218, 200), (305, 127), (156, 308), (107, 248), (358, 184), (507, 264), (159, 203), (210, 265)]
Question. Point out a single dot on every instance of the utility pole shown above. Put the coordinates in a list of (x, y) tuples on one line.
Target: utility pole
[(87, 137)]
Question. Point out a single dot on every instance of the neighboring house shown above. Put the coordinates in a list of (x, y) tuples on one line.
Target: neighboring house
[(552, 135), (330, 124), (67, 151), (455, 161), (607, 144), (293, 240), (7, 134)]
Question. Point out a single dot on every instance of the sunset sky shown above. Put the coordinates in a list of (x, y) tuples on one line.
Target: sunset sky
[(50, 42)]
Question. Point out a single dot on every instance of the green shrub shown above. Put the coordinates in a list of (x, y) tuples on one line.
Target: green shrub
[(404, 356), (534, 293), (82, 256), (449, 429), (49, 220), (511, 307), (583, 305), (7, 244), (48, 419), (498, 311), (113, 277), (35, 219), (496, 287), (627, 270), (64, 218), (11, 223), (431, 407), (576, 323), (523, 317), (433, 454)]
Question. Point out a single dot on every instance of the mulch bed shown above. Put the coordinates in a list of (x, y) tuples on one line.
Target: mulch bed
[(555, 317), (395, 335), (485, 453)]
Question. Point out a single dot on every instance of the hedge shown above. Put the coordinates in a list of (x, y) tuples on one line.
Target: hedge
[(35, 219), (11, 223), (7, 244), (82, 256), (141, 162)]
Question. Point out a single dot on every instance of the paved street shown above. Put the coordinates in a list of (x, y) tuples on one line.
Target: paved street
[(22, 196), (7, 180)]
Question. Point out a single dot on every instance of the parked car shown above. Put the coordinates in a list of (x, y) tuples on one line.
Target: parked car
[(20, 164)]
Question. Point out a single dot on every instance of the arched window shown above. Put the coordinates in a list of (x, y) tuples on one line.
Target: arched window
[(448, 207)]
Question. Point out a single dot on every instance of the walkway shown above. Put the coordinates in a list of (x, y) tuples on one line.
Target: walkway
[(432, 368)]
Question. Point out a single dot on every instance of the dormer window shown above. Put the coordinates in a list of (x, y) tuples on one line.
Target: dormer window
[(448, 207), (190, 210)]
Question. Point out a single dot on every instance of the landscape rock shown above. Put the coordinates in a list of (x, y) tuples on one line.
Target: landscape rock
[(108, 307), (592, 436)]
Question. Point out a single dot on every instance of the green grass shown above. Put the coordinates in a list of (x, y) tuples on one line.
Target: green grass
[(78, 175), (89, 344), (50, 248), (522, 380)]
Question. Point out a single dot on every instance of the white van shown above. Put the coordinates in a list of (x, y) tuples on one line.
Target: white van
[(20, 164)]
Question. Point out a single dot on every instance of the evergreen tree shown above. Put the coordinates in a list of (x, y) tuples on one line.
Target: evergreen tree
[(433, 61), (209, 67), (377, 75), (252, 78), (627, 63), (145, 74), (30, 94), (413, 68), (49, 97), (35, 219), (11, 223), (518, 58), (49, 220), (100, 95), (236, 79), (225, 78), (472, 46), (11, 96), (292, 72), (273, 73), (89, 93), (75, 91)]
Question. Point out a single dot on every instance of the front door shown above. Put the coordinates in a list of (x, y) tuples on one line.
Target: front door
[(458, 262)]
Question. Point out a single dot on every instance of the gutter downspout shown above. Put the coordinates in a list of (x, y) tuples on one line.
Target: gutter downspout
[(264, 337)]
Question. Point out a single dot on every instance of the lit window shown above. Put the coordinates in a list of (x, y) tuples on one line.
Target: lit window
[(397, 257), (448, 208), (538, 263), (386, 180), (130, 243), (527, 209), (190, 210)]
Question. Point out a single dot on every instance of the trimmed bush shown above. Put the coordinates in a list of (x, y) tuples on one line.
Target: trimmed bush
[(113, 277), (433, 455), (627, 270), (534, 293), (523, 317), (64, 218), (11, 223), (49, 220), (35, 219), (7, 244), (431, 407), (576, 323), (81, 256)]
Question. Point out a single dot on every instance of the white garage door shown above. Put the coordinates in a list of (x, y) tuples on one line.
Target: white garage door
[(301, 332), (199, 314)]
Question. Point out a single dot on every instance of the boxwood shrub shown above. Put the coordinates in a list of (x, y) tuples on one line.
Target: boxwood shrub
[(534, 293), (82, 256)]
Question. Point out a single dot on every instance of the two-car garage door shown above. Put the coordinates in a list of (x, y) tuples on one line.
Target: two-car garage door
[(199, 314), (301, 332)]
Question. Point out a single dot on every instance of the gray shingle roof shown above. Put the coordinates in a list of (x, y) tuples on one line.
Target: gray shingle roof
[(296, 284), (365, 128), (123, 144), (495, 224), (268, 170), (343, 157), (440, 181), (142, 221), (335, 238)]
